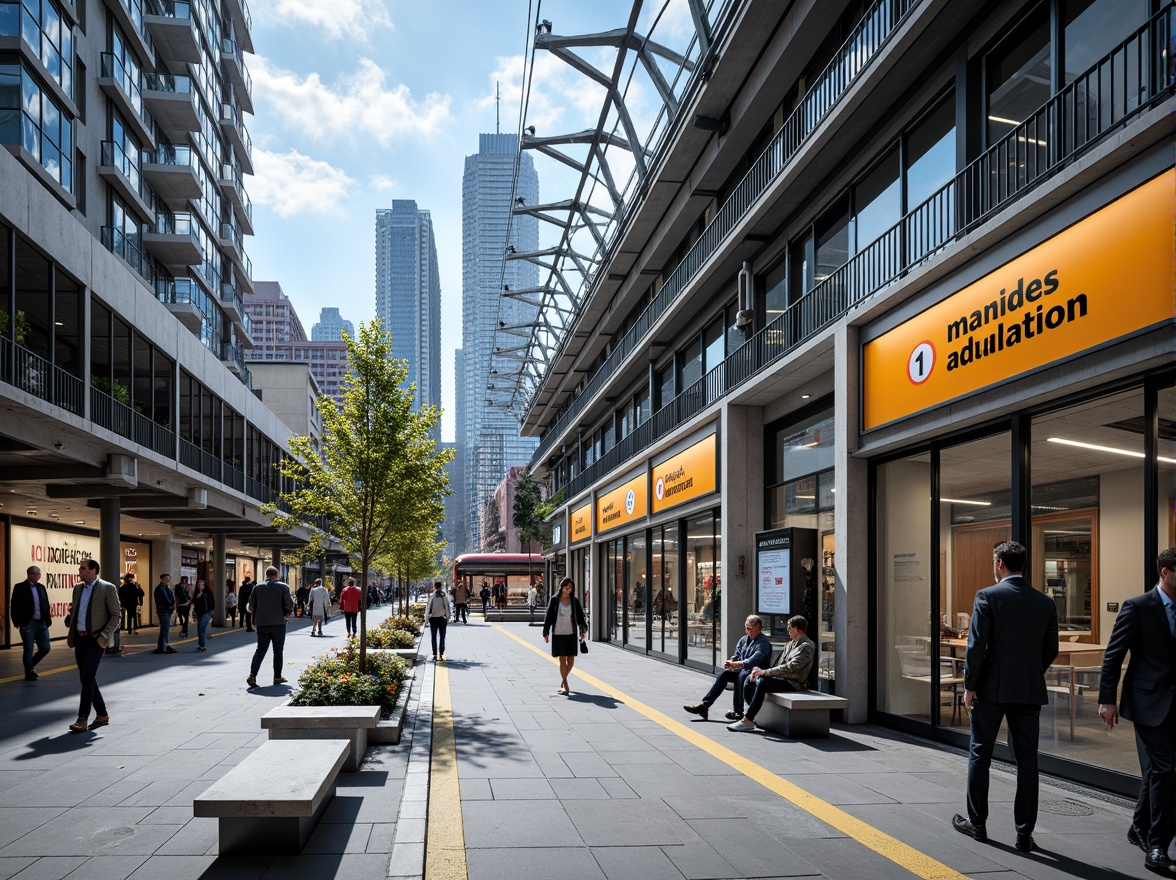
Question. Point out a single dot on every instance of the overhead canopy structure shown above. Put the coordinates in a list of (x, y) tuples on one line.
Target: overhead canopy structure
[(609, 165)]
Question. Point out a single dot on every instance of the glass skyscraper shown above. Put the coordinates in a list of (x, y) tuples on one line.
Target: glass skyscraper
[(488, 437), (408, 294)]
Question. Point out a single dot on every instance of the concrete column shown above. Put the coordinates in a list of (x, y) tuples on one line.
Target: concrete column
[(219, 573), (276, 562), (851, 520), (165, 559), (110, 540), (741, 480)]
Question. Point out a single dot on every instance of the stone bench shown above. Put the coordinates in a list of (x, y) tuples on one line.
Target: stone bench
[(799, 714), (351, 723), (270, 803)]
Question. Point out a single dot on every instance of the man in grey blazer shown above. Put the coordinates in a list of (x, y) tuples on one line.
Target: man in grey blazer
[(94, 618), (1012, 642)]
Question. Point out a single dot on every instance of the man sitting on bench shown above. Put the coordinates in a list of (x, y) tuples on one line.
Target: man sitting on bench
[(790, 673), (751, 651)]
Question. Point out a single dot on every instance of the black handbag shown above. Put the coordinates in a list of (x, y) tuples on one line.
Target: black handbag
[(583, 646)]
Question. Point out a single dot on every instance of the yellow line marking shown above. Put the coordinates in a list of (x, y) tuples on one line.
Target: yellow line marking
[(903, 855), (445, 854)]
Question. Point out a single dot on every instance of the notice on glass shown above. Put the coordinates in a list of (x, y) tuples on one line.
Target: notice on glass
[(773, 582)]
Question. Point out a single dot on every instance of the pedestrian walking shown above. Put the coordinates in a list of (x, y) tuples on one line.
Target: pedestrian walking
[(243, 602), (300, 595), (128, 598), (565, 615), (31, 615), (437, 613), (165, 607), (271, 605), (461, 602), (94, 617), (349, 599), (320, 607), (1012, 641), (140, 601), (485, 597), (203, 604), (231, 602), (183, 594), (1146, 629)]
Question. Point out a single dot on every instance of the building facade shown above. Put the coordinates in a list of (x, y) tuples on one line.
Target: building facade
[(879, 324), (408, 295), (278, 335), (491, 443), (331, 326), (133, 435)]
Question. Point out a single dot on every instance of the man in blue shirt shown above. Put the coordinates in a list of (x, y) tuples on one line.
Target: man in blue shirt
[(753, 650)]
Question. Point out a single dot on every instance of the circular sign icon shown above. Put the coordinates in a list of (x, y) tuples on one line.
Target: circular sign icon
[(659, 489), (921, 363), (630, 501)]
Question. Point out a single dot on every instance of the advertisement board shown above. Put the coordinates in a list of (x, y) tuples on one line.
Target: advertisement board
[(58, 555), (626, 503), (686, 475)]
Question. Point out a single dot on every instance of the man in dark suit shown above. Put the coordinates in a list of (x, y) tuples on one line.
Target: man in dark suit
[(243, 595), (95, 617), (31, 615), (1146, 627), (1012, 642)]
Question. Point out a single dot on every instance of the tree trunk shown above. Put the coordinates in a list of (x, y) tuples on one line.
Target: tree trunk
[(363, 574)]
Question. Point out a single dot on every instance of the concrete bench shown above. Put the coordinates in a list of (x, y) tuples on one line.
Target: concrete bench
[(799, 714), (270, 803), (351, 723)]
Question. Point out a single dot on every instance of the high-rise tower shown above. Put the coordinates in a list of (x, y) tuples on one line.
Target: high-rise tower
[(408, 294), (492, 442)]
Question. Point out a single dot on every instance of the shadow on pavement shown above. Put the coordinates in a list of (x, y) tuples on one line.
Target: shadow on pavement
[(1059, 862), (58, 745), (596, 700)]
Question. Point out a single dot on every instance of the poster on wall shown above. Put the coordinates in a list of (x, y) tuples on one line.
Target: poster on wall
[(58, 555), (774, 581)]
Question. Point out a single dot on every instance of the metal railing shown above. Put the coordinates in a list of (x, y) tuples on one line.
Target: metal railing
[(230, 47), (113, 68), (117, 242), (1132, 77), (116, 156), (178, 223), (232, 295), (856, 53), (110, 413), (170, 154), (168, 82), (68, 391)]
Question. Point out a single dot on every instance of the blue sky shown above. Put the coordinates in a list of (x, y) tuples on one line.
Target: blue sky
[(359, 102)]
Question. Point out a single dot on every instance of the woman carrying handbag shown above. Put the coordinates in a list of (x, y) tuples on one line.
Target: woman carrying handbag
[(565, 615)]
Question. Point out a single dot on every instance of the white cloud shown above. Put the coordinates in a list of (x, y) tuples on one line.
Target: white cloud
[(291, 183), (338, 19), (382, 183), (357, 107), (560, 99)]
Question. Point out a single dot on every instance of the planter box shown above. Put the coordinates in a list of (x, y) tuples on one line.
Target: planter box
[(387, 732)]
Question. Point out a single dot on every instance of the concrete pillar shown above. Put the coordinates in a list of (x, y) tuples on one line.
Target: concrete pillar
[(276, 562), (110, 540), (851, 520), (741, 480), (165, 559), (219, 573)]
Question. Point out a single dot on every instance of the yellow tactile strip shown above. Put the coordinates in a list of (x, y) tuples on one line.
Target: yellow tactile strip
[(905, 856), (445, 855)]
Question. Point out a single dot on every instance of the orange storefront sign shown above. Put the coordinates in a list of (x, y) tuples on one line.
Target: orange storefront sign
[(685, 476), (1102, 279), (582, 523), (624, 504)]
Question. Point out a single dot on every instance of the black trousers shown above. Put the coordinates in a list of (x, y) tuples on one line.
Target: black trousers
[(1157, 758), (1024, 723), (349, 618), (183, 613), (88, 656), (437, 625), (265, 636)]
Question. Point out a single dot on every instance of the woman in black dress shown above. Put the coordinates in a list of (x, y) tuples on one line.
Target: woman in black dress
[(565, 616)]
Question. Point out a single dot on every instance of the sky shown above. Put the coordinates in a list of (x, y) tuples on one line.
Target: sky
[(359, 102)]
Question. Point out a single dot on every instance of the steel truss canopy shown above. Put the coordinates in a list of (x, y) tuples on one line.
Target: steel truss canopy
[(641, 80)]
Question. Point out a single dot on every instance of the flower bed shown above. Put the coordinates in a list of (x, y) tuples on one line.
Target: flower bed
[(403, 623), (335, 680), (390, 638)]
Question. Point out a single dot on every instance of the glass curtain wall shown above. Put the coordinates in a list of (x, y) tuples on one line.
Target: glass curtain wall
[(704, 584), (637, 590), (664, 570)]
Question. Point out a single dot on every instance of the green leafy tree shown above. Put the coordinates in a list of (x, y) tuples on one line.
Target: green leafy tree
[(377, 475), (529, 516)]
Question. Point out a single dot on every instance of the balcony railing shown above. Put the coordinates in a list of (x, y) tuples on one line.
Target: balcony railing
[(1134, 76), (171, 154), (179, 223), (168, 82), (113, 68), (230, 294), (855, 55), (115, 155), (117, 242), (111, 414)]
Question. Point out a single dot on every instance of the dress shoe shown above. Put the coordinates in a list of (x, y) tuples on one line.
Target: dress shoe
[(964, 826), (78, 726), (169, 650), (1025, 843), (31, 676), (699, 709), (1157, 860), (734, 716), (280, 680), (251, 681), (99, 721), (1135, 837)]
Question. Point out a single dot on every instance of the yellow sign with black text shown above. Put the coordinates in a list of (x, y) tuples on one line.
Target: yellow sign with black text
[(623, 505), (685, 476), (1104, 278), (582, 523)]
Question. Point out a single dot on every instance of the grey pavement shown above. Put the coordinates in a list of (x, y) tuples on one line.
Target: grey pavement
[(117, 803), (578, 787)]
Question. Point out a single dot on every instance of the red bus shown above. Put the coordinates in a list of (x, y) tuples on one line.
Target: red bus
[(509, 576)]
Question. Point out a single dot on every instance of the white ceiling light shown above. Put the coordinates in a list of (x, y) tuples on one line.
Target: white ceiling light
[(1094, 446), (962, 501)]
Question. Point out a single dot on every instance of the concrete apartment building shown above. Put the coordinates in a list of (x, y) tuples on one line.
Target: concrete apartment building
[(894, 284), (132, 434)]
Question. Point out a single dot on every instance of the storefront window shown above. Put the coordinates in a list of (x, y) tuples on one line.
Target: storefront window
[(637, 588), (903, 534), (704, 588), (664, 590), (1166, 515), (614, 591)]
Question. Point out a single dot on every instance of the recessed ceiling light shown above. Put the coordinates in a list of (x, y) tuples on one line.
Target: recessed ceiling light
[(80, 522), (805, 396)]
